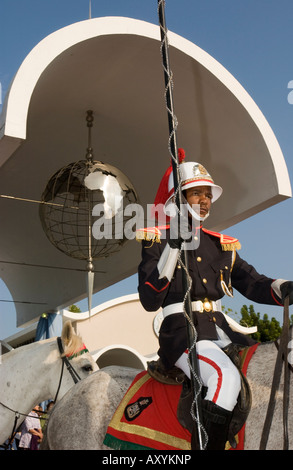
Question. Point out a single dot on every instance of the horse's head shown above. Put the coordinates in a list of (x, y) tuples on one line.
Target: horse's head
[(76, 352)]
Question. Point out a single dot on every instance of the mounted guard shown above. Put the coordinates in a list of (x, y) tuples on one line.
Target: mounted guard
[(215, 269), (195, 336)]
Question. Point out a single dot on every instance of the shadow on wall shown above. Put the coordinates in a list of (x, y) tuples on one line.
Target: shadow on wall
[(120, 357)]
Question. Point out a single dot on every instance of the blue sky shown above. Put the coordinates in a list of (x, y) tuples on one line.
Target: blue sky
[(253, 39)]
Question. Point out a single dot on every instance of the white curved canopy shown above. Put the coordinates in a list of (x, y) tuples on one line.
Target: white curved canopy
[(113, 66)]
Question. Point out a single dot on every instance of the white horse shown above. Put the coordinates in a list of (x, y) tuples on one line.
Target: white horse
[(33, 373), (81, 418)]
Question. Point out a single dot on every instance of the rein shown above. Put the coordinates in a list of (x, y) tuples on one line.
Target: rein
[(71, 370)]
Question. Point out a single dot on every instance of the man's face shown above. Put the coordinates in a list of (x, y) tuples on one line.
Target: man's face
[(201, 195), (38, 409)]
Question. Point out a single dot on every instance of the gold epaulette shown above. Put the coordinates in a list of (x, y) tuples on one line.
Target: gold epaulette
[(227, 243), (152, 234)]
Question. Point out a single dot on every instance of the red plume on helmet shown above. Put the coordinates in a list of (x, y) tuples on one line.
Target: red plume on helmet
[(163, 193)]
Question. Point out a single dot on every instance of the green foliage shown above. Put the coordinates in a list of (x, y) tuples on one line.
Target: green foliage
[(74, 309), (267, 329)]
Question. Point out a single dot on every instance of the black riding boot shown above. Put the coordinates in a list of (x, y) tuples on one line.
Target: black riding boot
[(215, 421)]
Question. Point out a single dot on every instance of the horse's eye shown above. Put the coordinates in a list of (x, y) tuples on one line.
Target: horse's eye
[(88, 368)]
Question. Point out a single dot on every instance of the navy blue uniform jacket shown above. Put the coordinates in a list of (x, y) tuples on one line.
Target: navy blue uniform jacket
[(207, 263)]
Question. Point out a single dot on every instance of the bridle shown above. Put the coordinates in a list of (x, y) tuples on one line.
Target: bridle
[(71, 370)]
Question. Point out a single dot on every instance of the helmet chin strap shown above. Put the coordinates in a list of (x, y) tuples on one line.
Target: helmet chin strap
[(195, 215), (171, 211)]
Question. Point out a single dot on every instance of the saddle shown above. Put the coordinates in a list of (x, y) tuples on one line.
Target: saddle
[(176, 376), (173, 376)]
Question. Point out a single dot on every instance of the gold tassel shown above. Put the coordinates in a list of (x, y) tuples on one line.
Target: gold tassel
[(150, 235), (231, 246)]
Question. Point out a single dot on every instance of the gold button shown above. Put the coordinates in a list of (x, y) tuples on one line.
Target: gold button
[(198, 259), (195, 238), (204, 280), (226, 267)]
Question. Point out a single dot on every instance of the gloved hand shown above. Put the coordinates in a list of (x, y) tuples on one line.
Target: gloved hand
[(180, 231), (175, 242), (286, 289)]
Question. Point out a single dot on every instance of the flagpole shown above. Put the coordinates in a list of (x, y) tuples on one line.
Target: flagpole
[(172, 121)]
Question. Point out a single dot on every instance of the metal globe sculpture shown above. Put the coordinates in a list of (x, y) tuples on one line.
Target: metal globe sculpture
[(82, 209), (73, 199)]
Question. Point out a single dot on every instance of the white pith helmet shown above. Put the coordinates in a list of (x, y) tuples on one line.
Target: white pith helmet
[(192, 174)]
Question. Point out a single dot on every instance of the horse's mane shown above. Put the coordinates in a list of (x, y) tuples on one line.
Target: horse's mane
[(72, 342)]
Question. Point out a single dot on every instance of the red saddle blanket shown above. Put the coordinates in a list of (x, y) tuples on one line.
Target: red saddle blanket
[(146, 418)]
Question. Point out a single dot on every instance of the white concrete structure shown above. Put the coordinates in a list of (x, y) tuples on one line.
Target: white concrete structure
[(119, 331), (113, 66)]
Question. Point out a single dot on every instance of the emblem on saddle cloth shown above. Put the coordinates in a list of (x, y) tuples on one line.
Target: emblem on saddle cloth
[(133, 410)]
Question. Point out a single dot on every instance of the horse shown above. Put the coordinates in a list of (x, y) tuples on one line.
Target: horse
[(81, 418), (35, 373)]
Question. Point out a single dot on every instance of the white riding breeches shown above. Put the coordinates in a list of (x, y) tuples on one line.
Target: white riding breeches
[(217, 372)]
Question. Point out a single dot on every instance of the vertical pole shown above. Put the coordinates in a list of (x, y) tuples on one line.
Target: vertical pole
[(281, 356), (178, 200), (90, 266)]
